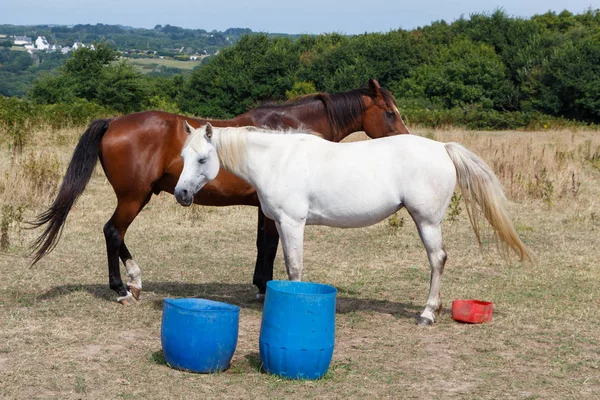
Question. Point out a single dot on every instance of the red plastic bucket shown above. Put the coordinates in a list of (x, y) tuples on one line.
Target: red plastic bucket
[(472, 311)]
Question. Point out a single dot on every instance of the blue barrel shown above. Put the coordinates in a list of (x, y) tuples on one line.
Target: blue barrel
[(199, 335), (297, 333)]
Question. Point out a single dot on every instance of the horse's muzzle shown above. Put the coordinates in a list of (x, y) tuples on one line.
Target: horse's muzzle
[(184, 197)]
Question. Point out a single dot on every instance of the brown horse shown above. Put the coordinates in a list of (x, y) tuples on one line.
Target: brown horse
[(140, 155)]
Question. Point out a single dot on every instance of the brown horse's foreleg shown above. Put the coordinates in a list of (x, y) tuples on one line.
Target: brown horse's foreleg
[(257, 280), (271, 243), (114, 233), (267, 240)]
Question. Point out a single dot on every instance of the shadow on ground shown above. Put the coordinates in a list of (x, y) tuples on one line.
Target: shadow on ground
[(238, 294)]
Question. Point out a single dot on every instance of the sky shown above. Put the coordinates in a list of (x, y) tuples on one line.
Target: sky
[(300, 16)]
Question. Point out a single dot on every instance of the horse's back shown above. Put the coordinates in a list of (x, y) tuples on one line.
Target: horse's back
[(150, 126), (360, 183), (416, 152), (397, 153)]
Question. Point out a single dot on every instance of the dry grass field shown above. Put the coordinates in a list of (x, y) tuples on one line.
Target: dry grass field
[(63, 336), (147, 65)]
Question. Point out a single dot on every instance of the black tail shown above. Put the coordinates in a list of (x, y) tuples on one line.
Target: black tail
[(78, 175)]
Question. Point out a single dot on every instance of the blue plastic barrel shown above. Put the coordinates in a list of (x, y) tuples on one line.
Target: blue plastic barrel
[(199, 335), (297, 334)]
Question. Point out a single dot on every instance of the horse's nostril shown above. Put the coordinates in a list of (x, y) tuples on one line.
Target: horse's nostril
[(181, 193)]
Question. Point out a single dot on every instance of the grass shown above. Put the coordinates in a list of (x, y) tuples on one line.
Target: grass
[(147, 65), (62, 335)]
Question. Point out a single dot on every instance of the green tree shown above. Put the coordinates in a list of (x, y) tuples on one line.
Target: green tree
[(84, 71), (95, 75), (257, 69), (122, 88), (462, 74), (52, 88), (80, 77), (568, 83)]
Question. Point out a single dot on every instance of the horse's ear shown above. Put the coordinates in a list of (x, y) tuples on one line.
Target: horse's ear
[(187, 128), (375, 88), (209, 130)]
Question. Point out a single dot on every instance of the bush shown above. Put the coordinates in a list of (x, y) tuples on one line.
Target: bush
[(477, 118), (300, 89), (16, 116), (79, 112), (42, 172)]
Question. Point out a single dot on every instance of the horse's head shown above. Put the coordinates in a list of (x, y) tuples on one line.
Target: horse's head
[(381, 116), (200, 163)]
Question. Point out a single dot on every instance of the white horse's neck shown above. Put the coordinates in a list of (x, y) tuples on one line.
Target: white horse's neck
[(240, 151)]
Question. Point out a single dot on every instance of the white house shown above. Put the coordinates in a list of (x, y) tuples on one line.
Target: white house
[(21, 40), (78, 45), (41, 43)]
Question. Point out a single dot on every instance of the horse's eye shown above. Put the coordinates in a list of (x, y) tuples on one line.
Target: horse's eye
[(202, 160), (390, 113)]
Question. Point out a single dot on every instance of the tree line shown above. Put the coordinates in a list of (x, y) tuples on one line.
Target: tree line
[(488, 71), (547, 64)]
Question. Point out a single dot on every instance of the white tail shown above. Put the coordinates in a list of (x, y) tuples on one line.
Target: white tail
[(482, 193)]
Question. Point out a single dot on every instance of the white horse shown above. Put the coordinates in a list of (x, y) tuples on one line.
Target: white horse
[(302, 179)]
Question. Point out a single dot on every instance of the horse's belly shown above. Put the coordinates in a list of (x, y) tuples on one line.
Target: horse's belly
[(351, 214)]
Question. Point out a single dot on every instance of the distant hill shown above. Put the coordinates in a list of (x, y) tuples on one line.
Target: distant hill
[(147, 46), (164, 39)]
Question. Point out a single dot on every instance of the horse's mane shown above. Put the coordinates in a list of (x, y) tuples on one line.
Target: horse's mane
[(231, 143), (343, 109), (232, 146)]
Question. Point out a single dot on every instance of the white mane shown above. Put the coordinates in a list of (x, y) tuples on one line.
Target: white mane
[(231, 143)]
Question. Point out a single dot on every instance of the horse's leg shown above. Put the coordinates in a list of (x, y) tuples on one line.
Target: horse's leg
[(114, 233), (260, 245), (259, 269), (271, 243), (267, 240), (292, 241), (134, 273), (431, 236)]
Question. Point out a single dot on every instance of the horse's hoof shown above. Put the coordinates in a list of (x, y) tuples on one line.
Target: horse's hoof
[(422, 321), (128, 300), (135, 291), (260, 296)]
